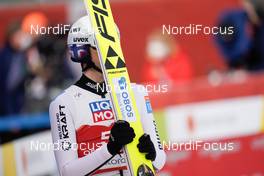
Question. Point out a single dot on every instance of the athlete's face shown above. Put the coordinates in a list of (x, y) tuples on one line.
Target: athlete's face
[(95, 58)]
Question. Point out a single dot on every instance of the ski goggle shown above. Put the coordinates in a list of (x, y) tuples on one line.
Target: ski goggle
[(79, 53)]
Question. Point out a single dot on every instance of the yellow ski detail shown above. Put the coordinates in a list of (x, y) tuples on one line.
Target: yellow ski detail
[(116, 76)]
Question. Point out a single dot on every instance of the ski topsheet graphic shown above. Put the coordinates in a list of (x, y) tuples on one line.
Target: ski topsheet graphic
[(116, 76)]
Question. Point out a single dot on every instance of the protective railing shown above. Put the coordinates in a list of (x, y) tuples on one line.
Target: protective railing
[(24, 122)]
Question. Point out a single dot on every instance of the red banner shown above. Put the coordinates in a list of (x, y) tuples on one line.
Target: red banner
[(246, 159)]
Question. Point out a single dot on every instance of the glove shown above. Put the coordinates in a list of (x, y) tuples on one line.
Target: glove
[(145, 145), (120, 135)]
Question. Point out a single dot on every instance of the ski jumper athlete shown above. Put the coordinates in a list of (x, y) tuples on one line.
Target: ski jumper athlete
[(83, 123)]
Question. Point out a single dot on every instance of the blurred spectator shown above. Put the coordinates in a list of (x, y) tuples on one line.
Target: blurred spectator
[(33, 68), (47, 62), (244, 49), (166, 61), (13, 70)]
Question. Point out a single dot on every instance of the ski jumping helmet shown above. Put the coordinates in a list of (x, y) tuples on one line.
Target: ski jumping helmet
[(80, 39)]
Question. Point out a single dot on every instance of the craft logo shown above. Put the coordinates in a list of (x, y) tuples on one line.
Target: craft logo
[(63, 129), (62, 123), (101, 111)]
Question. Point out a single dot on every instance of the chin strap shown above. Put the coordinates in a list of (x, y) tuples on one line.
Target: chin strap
[(86, 67), (97, 69), (88, 63)]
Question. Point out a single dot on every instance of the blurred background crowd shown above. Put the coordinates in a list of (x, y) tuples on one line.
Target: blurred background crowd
[(198, 68)]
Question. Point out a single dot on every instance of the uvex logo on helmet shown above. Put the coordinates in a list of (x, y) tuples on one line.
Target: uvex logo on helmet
[(81, 39)]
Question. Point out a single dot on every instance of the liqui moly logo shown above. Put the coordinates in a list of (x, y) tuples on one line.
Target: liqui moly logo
[(101, 111)]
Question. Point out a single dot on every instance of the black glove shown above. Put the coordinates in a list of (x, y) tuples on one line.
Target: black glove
[(145, 145), (120, 135)]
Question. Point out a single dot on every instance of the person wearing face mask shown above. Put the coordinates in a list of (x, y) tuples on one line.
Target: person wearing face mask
[(243, 49), (20, 62), (165, 61), (46, 57), (13, 70)]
